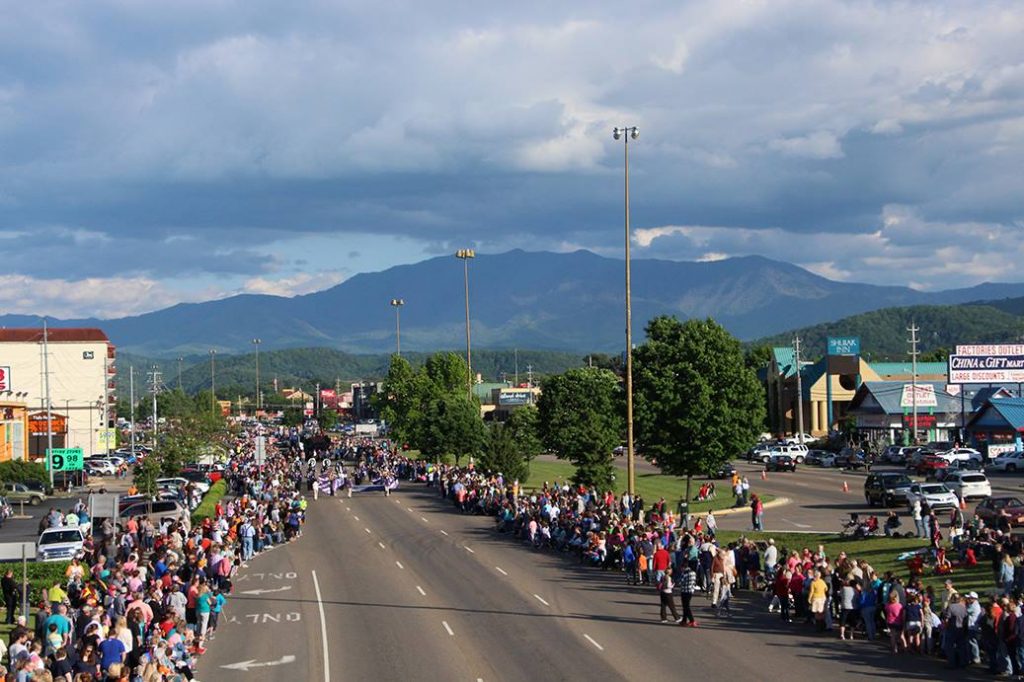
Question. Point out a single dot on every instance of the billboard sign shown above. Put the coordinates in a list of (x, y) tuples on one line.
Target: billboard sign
[(844, 345), (987, 369), (991, 349), (513, 398), (5, 379), (924, 421), (925, 396)]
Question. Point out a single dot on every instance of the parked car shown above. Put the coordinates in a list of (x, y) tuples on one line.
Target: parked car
[(897, 454), (930, 464), (915, 456), (100, 467), (1008, 461), (201, 484), (60, 544), (780, 462), (991, 509), (968, 485), (724, 471), (156, 511), (960, 454), (797, 452), (886, 487), (795, 439), (815, 457), (19, 492), (936, 495), (850, 459)]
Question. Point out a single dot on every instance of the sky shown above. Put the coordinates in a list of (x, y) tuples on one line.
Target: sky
[(159, 152)]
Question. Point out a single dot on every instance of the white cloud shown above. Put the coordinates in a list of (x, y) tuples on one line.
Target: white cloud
[(90, 297), (294, 285), (817, 145)]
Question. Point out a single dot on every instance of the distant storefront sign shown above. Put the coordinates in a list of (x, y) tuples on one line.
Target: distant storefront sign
[(38, 423), (991, 349), (513, 398), (924, 421), (5, 379), (925, 396), (987, 369), (844, 345)]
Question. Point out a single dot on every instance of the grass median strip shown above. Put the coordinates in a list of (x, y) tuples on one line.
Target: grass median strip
[(650, 486), (207, 508)]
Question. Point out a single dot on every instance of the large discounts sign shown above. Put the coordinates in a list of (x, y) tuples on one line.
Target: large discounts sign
[(986, 369)]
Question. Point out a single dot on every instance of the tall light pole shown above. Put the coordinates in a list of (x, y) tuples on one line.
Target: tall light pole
[(213, 381), (625, 134), (465, 255), (397, 304), (257, 342)]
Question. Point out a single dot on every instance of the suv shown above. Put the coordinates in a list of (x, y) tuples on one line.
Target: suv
[(60, 544), (781, 463), (156, 511), (797, 452), (19, 492), (889, 488)]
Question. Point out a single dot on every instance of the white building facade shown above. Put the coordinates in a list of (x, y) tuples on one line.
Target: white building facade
[(82, 385)]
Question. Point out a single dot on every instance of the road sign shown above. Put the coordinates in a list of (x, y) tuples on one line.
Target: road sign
[(11, 551), (65, 459), (261, 450)]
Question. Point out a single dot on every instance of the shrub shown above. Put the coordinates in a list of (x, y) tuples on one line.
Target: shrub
[(40, 576), (20, 471), (206, 508)]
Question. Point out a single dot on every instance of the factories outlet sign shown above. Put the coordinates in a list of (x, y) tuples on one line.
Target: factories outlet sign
[(985, 369)]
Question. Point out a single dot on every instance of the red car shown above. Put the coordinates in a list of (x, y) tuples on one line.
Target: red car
[(930, 464), (992, 508)]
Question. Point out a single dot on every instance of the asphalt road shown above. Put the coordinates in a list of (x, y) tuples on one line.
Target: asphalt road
[(406, 588)]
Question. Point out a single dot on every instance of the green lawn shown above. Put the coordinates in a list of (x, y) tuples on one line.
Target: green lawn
[(880, 553), (651, 486)]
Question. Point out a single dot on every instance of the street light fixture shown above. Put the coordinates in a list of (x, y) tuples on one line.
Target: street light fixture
[(626, 134), (257, 342), (397, 304), (465, 255)]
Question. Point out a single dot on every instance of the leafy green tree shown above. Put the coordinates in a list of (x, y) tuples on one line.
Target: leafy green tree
[(580, 420), (448, 372), (451, 426), (696, 403), (512, 444), (399, 402), (147, 472)]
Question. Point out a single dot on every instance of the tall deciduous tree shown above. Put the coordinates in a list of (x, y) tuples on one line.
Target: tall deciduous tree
[(696, 403), (580, 421), (511, 445)]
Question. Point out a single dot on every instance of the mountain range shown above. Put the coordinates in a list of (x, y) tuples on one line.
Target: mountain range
[(538, 300)]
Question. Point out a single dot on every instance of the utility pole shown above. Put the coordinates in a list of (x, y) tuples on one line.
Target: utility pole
[(913, 329), (213, 381), (49, 404), (131, 400), (529, 376), (155, 376), (397, 304), (799, 392), (257, 342)]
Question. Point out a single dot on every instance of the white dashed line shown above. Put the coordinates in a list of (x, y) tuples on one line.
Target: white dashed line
[(541, 600), (348, 508), (448, 627), (444, 533), (420, 590), (468, 550), (501, 570), (399, 564), (355, 517), (424, 519), (591, 640), (367, 530), (382, 545)]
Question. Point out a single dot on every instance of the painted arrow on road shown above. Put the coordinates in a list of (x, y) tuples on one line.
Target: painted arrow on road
[(244, 666), (259, 592)]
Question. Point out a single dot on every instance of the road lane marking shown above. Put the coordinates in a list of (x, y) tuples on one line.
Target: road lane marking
[(448, 627), (367, 530), (257, 593), (499, 569), (323, 629), (399, 564), (444, 533), (420, 590), (468, 549), (348, 508), (541, 600), (798, 525), (355, 517), (252, 663), (382, 545), (424, 519), (591, 640)]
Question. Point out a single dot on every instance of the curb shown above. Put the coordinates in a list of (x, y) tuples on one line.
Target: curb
[(777, 502)]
